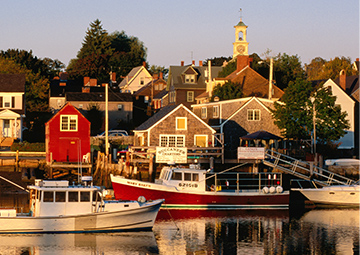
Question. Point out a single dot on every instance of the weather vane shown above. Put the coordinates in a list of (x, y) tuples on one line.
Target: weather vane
[(240, 14)]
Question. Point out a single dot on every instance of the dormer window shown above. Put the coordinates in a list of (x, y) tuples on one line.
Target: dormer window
[(189, 78)]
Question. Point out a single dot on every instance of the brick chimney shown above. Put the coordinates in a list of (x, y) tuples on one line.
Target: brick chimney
[(242, 62), (86, 81), (93, 82), (144, 64), (200, 63), (193, 62), (342, 79), (182, 63), (113, 77), (155, 76), (85, 89), (161, 75)]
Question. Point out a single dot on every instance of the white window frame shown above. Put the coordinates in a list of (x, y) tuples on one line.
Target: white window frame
[(203, 112), (7, 100), (190, 96), (216, 111), (251, 114), (206, 143), (181, 118), (166, 141), (190, 78), (69, 122)]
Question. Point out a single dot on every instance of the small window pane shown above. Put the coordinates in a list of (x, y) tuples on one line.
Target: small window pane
[(73, 196), (84, 196), (195, 177), (176, 176), (60, 196), (187, 177), (48, 196)]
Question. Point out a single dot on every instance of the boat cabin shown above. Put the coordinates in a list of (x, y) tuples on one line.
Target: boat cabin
[(191, 179), (56, 197)]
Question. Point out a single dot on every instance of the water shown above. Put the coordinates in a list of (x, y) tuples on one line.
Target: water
[(327, 231)]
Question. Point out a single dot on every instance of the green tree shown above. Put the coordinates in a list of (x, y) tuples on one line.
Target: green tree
[(294, 115), (218, 61), (227, 91), (157, 69), (320, 69)]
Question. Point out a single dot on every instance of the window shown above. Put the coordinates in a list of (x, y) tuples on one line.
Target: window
[(172, 140), (189, 78), (68, 122), (60, 196), (190, 96), (216, 111), (81, 106), (203, 112), (84, 196), (181, 123), (7, 102), (195, 177), (48, 196), (73, 196), (187, 176), (201, 140), (176, 176), (156, 87), (253, 114), (142, 80)]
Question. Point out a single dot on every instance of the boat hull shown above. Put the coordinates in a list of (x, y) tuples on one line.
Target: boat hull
[(131, 189), (346, 196), (137, 219)]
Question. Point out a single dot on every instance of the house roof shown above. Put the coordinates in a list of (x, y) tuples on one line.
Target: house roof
[(98, 97), (12, 82), (142, 91), (253, 84), (161, 94), (67, 105), (176, 74), (156, 117), (352, 84), (132, 75)]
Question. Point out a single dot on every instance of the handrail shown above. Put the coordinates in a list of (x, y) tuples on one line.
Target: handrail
[(293, 166)]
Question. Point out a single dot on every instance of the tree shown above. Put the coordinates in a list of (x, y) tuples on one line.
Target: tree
[(102, 53), (158, 69), (320, 69), (227, 91), (218, 61), (294, 115), (94, 114)]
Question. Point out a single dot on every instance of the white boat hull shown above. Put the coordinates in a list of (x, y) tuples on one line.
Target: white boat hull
[(142, 218), (341, 195)]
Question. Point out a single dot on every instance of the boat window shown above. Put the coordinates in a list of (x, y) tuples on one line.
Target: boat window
[(39, 194), (176, 176), (84, 196), (96, 196), (48, 196), (195, 177), (167, 175), (187, 176), (60, 196), (73, 196)]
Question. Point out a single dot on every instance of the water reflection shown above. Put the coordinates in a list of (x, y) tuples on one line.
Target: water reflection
[(330, 231)]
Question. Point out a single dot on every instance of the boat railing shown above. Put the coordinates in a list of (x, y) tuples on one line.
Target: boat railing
[(242, 182), (303, 184)]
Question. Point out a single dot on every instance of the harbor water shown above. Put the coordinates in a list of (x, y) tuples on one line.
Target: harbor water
[(325, 231)]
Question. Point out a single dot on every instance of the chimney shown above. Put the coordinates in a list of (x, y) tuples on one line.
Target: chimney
[(93, 82), (161, 75), (86, 81), (242, 62), (155, 76), (182, 63), (193, 62), (342, 79), (85, 89), (144, 64), (113, 77), (200, 63)]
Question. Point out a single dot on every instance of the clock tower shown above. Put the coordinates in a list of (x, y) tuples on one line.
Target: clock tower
[(240, 44)]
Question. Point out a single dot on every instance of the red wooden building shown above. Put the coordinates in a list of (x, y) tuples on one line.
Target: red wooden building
[(67, 136)]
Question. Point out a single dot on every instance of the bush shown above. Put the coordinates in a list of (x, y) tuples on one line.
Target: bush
[(26, 146)]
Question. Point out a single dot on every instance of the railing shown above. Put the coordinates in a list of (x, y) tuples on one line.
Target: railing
[(304, 169), (22, 154), (240, 181), (144, 153)]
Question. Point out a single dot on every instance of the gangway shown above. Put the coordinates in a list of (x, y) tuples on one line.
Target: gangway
[(304, 169)]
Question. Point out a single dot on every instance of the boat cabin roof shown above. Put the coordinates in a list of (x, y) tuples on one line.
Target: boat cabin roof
[(59, 185)]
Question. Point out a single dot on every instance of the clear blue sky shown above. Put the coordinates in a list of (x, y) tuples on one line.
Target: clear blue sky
[(175, 31)]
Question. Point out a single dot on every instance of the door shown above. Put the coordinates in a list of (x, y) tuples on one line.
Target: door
[(6, 128)]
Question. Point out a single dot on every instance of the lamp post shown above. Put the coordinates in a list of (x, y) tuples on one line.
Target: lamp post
[(270, 76), (314, 130)]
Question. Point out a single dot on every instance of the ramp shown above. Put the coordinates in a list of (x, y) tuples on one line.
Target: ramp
[(304, 170)]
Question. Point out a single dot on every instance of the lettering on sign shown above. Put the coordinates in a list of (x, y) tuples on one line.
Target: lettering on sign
[(188, 185), (171, 154), (251, 152)]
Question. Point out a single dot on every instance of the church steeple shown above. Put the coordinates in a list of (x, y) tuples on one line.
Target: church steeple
[(240, 44)]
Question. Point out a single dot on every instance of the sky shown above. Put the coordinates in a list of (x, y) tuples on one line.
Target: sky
[(175, 31)]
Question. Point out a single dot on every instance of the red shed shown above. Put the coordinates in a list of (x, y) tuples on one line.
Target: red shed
[(67, 136)]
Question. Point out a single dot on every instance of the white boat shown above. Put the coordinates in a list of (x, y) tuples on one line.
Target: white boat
[(336, 195), (57, 207), (342, 162)]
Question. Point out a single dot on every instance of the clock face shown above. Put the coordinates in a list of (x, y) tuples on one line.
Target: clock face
[(240, 49)]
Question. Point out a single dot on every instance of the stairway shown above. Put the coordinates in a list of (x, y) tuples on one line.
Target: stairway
[(304, 169)]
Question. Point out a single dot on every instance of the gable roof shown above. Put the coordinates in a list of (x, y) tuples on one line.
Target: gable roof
[(176, 73), (163, 114), (143, 89), (253, 84), (67, 105), (352, 84), (12, 82), (133, 74)]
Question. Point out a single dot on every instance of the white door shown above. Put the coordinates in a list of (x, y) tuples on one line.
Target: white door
[(6, 128)]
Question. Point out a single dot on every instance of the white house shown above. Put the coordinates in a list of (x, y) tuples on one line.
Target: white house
[(135, 80)]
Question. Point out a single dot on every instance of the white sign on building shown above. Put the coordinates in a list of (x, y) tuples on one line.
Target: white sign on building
[(171, 154), (251, 152)]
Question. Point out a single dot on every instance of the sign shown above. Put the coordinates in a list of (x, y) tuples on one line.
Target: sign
[(251, 152), (171, 154)]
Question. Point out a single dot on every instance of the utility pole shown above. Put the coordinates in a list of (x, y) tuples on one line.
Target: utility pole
[(270, 78)]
